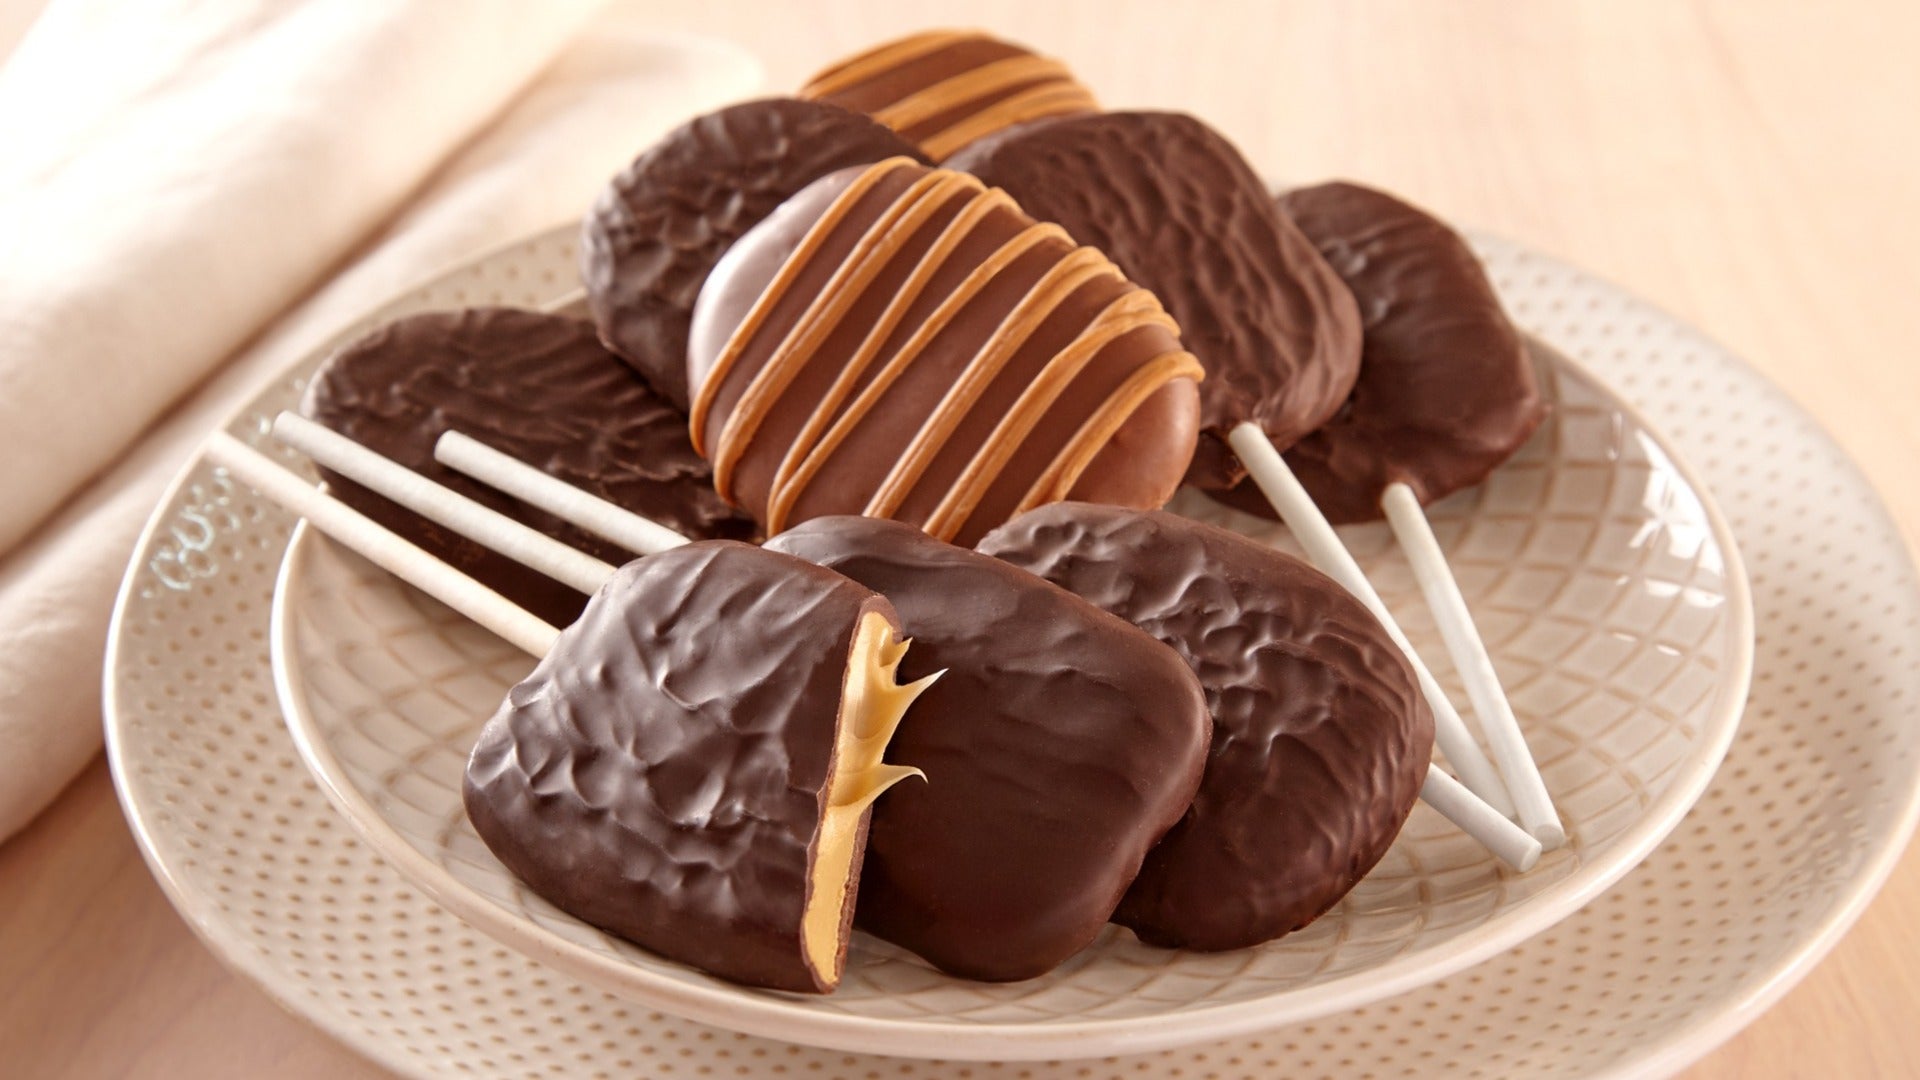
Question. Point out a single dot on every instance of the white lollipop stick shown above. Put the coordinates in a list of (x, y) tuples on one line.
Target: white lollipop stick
[(467, 455), (1470, 658), (1326, 552), (381, 546), (470, 519), (1478, 820)]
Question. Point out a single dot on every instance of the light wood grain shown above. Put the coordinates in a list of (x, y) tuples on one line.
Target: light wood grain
[(1753, 167)]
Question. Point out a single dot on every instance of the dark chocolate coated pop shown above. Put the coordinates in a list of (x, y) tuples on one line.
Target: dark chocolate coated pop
[(1059, 745), (691, 765), (660, 225), (1446, 390), (1321, 737), (1172, 202), (540, 388)]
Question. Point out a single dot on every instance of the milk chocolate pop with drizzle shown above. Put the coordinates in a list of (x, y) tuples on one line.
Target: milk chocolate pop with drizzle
[(902, 342), (943, 89)]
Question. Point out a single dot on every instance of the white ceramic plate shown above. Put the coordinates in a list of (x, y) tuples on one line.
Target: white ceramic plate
[(1612, 602), (1800, 827)]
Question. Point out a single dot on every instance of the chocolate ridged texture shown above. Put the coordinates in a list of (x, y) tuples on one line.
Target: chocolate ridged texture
[(660, 225), (901, 342), (1176, 206), (1320, 736), (943, 89), (1446, 390), (540, 388), (662, 774), (1059, 746)]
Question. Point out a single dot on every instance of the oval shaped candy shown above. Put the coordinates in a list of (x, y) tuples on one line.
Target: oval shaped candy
[(658, 227), (1059, 744), (692, 765), (1446, 390), (902, 342), (1321, 738), (538, 387), (942, 89), (1173, 203)]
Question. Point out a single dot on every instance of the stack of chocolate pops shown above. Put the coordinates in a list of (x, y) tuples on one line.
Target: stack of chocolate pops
[(974, 693)]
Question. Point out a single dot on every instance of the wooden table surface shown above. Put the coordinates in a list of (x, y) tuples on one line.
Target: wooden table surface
[(1752, 167)]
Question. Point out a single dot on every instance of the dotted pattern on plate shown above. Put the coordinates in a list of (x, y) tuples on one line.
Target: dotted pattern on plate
[(1819, 781)]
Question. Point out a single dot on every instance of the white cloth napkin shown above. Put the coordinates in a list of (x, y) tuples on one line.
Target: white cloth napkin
[(176, 175)]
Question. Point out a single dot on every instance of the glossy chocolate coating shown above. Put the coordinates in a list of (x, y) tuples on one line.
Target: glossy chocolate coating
[(942, 89), (1321, 738), (929, 338), (1174, 204), (1059, 746), (660, 225), (538, 387), (1446, 390), (662, 773)]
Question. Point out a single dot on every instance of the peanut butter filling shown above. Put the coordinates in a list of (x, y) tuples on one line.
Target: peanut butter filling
[(871, 707)]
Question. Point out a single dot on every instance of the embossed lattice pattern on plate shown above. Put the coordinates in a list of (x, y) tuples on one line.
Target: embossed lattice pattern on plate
[(1587, 557), (1817, 786)]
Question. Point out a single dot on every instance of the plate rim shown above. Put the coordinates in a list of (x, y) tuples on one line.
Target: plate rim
[(772, 1017)]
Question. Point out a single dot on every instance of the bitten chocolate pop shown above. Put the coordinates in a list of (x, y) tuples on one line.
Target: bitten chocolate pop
[(943, 89), (902, 342), (1060, 744), (1446, 389), (539, 387), (692, 764), (1321, 739), (660, 224), (1176, 207)]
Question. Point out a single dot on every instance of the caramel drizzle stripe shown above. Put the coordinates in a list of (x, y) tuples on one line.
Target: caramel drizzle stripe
[(824, 312), (1041, 101), (956, 230), (1000, 75), (1129, 311), (1057, 481), (782, 501), (1072, 271), (878, 61), (782, 279)]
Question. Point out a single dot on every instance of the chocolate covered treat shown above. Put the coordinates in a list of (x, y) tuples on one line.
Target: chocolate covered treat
[(538, 387), (1059, 745), (1446, 390), (942, 89), (1176, 207), (661, 224), (1320, 735), (692, 764), (902, 342)]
